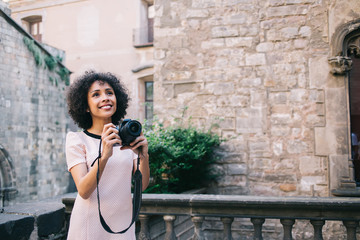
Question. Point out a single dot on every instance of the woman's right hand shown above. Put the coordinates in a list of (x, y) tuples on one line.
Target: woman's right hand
[(109, 137)]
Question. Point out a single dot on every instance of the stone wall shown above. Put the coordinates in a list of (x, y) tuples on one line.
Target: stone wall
[(33, 120), (260, 70)]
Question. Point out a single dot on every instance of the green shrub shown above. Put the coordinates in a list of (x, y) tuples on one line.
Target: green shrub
[(180, 158)]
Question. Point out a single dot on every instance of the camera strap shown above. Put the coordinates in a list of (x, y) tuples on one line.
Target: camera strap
[(137, 195)]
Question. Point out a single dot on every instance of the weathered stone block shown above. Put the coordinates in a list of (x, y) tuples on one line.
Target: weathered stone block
[(318, 72), (213, 43), (224, 31), (255, 59), (287, 10), (197, 13), (301, 43), (239, 42), (249, 125), (16, 227), (310, 165), (50, 223), (335, 106), (236, 169), (297, 146), (265, 47), (298, 95), (280, 119), (309, 183), (287, 187)]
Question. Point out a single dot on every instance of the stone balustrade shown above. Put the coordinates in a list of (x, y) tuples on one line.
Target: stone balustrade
[(258, 208)]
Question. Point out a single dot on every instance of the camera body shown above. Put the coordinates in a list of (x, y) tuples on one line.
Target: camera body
[(129, 130)]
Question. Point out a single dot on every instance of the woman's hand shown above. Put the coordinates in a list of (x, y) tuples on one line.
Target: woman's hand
[(109, 137), (139, 145)]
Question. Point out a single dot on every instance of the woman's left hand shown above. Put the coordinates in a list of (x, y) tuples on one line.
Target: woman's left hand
[(139, 145)]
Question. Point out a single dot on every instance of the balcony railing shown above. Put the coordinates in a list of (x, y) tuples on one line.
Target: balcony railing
[(258, 208)]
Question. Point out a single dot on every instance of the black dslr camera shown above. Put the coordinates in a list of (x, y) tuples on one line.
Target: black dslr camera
[(129, 130)]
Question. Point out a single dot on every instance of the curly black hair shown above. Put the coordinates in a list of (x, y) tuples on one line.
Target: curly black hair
[(77, 97)]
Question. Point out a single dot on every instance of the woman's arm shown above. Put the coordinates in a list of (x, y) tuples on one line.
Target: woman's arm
[(85, 180)]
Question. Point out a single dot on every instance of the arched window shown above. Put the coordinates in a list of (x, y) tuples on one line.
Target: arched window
[(352, 42), (345, 61)]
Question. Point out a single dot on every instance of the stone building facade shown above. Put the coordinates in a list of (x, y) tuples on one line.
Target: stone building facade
[(274, 77), (33, 120)]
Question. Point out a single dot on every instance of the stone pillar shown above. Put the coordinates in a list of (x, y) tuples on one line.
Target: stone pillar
[(287, 225), (144, 227), (227, 221), (351, 229), (169, 221), (258, 222), (317, 224), (198, 233)]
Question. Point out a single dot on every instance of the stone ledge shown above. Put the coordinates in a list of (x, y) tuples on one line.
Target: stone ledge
[(13, 227), (48, 217)]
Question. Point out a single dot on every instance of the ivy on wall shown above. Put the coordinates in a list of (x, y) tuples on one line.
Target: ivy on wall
[(48, 62)]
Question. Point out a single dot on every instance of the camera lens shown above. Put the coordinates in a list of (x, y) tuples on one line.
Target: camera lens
[(129, 131), (134, 127)]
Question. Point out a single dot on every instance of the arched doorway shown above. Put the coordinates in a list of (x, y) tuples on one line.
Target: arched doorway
[(352, 42), (7, 178), (345, 62)]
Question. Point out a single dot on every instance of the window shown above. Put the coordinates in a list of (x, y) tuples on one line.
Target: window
[(144, 35), (34, 26), (354, 97), (345, 61), (149, 98)]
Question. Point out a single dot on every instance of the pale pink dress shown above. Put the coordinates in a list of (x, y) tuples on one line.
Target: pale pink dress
[(114, 190)]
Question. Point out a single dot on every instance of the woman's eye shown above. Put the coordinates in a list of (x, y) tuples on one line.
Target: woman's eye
[(110, 93), (95, 95)]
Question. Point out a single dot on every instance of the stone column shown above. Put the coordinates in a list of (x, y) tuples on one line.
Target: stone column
[(258, 222), (351, 229), (198, 233), (144, 228), (227, 221), (317, 224), (287, 225), (170, 233)]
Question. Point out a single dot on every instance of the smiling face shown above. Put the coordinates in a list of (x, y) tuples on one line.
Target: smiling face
[(101, 101)]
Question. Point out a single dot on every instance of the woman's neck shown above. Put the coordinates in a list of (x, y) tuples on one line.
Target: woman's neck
[(98, 126)]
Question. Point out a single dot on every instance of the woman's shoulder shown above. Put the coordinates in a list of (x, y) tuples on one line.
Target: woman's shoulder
[(74, 137)]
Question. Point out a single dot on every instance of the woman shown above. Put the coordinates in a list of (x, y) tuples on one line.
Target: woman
[(97, 102)]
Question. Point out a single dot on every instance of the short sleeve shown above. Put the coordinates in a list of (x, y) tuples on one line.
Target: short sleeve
[(75, 150)]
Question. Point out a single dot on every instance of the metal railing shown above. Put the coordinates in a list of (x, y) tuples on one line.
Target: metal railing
[(258, 208)]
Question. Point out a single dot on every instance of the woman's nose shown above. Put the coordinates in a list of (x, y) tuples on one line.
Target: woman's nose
[(105, 97)]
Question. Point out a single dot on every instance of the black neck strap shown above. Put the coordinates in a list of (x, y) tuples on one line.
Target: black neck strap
[(137, 179)]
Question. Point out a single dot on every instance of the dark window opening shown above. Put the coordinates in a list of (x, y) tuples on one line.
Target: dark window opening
[(144, 36), (354, 99), (149, 101), (34, 26)]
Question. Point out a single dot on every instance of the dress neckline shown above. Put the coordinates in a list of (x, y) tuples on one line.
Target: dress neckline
[(92, 135)]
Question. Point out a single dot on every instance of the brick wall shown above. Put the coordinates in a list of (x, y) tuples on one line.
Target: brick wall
[(33, 120)]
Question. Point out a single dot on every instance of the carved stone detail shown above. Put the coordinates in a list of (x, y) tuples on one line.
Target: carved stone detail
[(340, 65), (354, 50)]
